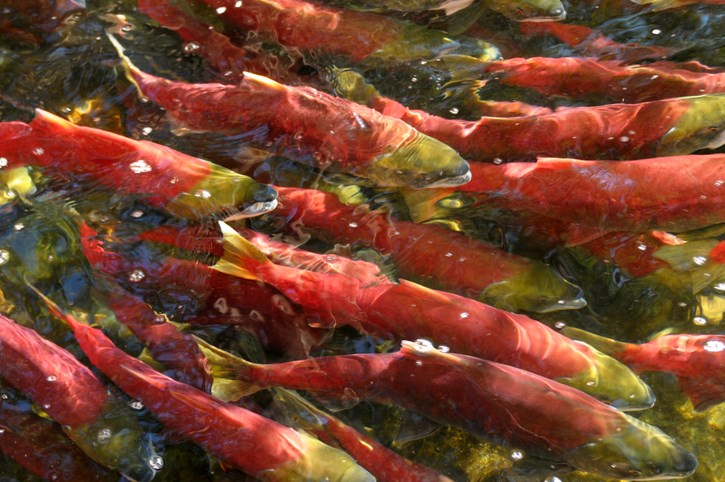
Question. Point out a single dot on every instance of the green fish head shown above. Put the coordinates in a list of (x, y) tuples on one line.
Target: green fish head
[(538, 288), (635, 451), (224, 194), (421, 162), (612, 382), (701, 126), (529, 10)]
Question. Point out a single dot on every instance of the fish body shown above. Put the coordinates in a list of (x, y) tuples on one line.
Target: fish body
[(698, 361), (41, 447), (615, 131), (596, 197), (406, 310), (529, 10), (433, 254), (240, 438), (605, 80), (494, 401), (356, 36), (185, 185), (72, 396), (312, 126), (385, 464)]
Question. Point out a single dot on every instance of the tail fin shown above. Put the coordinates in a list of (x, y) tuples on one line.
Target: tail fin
[(132, 72), (306, 415), (605, 345), (231, 373), (240, 256)]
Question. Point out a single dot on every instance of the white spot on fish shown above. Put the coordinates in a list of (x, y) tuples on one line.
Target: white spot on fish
[(191, 47), (352, 225), (464, 315), (18, 226), (104, 435), (3, 162), (453, 110), (559, 325), (202, 194), (4, 256), (136, 404), (38, 151), (238, 4), (137, 213), (146, 130), (221, 10), (624, 139), (140, 166), (51, 378), (719, 287), (714, 346), (444, 349), (656, 31), (641, 247), (517, 455)]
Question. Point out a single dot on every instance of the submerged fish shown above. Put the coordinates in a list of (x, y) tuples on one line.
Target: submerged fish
[(493, 401), (101, 425), (314, 126), (433, 254), (385, 464), (240, 438), (409, 311), (698, 361), (529, 10), (184, 185)]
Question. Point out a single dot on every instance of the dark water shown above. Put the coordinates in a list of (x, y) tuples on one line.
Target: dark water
[(64, 64)]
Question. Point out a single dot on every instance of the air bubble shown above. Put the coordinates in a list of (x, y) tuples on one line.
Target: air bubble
[(104, 435), (136, 404), (720, 287), (453, 110), (714, 346), (700, 320), (4, 256), (137, 213), (353, 225), (699, 260), (38, 151), (51, 378), (156, 462), (559, 325), (221, 10), (18, 226), (238, 4), (191, 47), (202, 194), (136, 276), (3, 162), (517, 455)]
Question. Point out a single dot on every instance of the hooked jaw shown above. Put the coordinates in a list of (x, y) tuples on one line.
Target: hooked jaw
[(636, 451), (225, 195), (422, 162)]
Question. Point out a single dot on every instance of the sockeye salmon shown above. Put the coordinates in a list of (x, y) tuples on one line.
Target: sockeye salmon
[(493, 401), (406, 311)]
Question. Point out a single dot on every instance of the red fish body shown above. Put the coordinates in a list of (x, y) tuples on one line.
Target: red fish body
[(596, 197), (698, 361), (426, 252), (491, 400), (606, 80), (42, 448), (385, 464), (407, 310), (311, 126), (279, 324), (183, 184), (617, 131), (240, 438)]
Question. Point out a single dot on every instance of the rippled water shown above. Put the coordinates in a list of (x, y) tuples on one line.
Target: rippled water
[(65, 65)]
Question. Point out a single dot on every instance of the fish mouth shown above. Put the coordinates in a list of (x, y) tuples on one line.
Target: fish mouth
[(563, 305), (255, 209), (451, 181)]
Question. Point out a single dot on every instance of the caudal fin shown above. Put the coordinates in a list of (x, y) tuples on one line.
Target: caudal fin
[(240, 257), (133, 73), (231, 373)]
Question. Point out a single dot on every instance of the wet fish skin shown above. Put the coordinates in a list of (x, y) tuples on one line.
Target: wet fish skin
[(72, 396), (328, 132), (408, 311), (529, 10), (698, 361), (242, 439), (421, 252), (494, 401), (185, 185)]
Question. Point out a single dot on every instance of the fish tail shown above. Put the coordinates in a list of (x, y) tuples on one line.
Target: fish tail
[(601, 343), (231, 373), (308, 416), (132, 72), (240, 256)]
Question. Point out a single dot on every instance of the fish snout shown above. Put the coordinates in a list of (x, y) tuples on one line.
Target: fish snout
[(635, 451), (420, 163)]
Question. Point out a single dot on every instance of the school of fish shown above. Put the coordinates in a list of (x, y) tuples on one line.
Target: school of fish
[(362, 240)]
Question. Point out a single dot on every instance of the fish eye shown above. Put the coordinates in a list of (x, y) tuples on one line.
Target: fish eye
[(618, 277)]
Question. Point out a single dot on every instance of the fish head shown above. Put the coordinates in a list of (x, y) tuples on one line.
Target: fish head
[(226, 195), (530, 10), (635, 451), (318, 461), (701, 126), (611, 381), (537, 288), (422, 162)]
